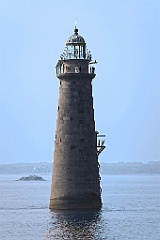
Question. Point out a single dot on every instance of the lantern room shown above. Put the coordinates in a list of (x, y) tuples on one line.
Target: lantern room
[(76, 48), (75, 58)]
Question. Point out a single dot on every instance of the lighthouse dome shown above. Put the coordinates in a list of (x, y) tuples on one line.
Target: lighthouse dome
[(75, 38)]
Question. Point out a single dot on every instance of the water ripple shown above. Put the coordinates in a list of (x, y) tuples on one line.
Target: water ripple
[(24, 208)]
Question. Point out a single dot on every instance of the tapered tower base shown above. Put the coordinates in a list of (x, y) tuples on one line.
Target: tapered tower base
[(89, 201)]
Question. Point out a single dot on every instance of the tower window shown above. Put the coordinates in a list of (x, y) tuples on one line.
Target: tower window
[(72, 147), (76, 69), (68, 69)]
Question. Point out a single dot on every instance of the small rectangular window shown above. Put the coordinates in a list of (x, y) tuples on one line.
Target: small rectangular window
[(76, 69)]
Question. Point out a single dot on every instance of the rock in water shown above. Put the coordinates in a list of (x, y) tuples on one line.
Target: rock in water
[(31, 178)]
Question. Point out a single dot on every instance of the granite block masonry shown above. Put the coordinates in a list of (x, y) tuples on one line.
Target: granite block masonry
[(75, 178)]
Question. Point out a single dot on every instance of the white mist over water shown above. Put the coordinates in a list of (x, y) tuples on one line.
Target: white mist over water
[(131, 210)]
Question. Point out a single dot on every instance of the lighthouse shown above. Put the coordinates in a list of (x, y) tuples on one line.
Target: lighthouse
[(75, 177)]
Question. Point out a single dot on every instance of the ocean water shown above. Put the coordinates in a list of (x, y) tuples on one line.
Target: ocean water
[(131, 210)]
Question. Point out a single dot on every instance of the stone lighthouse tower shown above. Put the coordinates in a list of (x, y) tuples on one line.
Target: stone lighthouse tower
[(75, 179)]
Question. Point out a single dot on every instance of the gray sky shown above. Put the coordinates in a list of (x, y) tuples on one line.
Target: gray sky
[(124, 37)]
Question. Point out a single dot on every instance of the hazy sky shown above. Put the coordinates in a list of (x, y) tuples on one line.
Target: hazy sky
[(124, 37)]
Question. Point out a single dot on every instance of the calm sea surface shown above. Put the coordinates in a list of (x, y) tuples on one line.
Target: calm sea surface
[(131, 210)]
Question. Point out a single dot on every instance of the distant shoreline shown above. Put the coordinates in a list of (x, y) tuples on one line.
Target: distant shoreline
[(120, 168)]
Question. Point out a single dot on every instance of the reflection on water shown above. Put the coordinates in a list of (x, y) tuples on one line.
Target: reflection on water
[(72, 225)]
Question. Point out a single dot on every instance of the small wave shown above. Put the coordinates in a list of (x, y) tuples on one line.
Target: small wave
[(130, 210), (24, 208)]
